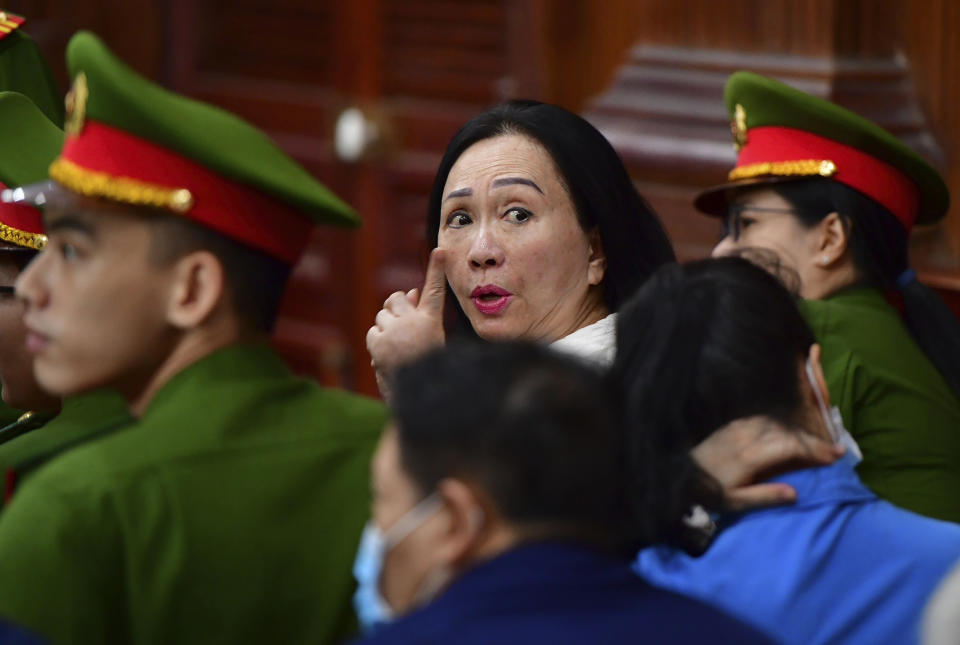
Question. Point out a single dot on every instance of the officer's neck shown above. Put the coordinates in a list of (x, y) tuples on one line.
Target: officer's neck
[(193, 345)]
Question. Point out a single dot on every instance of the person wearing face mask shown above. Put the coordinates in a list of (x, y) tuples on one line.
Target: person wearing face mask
[(836, 197), (506, 518), (714, 340)]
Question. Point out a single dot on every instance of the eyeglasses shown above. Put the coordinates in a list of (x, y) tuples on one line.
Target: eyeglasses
[(733, 225)]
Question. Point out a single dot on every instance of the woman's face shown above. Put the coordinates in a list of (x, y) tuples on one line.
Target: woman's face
[(518, 261), (762, 219)]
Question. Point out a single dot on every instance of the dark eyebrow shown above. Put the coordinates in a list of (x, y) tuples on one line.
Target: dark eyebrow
[(460, 192), (69, 223), (507, 181)]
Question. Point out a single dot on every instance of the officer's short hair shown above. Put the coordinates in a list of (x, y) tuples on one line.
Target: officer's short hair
[(255, 280)]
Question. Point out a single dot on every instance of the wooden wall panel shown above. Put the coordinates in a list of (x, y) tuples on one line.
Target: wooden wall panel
[(249, 39), (444, 50), (136, 29), (929, 41), (776, 27)]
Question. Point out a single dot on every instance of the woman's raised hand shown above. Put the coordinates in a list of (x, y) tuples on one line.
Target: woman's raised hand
[(748, 450), (411, 323)]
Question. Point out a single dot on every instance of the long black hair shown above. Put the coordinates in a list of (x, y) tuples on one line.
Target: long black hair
[(603, 195), (700, 345), (878, 242)]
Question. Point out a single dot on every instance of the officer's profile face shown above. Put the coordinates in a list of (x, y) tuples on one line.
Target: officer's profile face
[(94, 301), (20, 388), (760, 219)]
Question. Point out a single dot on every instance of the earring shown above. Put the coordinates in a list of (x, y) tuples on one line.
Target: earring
[(825, 260)]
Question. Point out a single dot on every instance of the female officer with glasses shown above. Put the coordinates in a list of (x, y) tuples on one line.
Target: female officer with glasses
[(835, 197)]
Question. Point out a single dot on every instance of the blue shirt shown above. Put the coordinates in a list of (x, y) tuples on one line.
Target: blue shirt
[(838, 566), (561, 593)]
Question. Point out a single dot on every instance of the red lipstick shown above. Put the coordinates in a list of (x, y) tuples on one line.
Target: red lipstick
[(490, 300), (36, 342)]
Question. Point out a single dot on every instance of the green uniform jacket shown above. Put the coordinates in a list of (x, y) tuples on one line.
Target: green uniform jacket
[(83, 418), (230, 513), (893, 401)]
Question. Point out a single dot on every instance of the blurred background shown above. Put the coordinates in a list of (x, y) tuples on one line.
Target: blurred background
[(366, 94)]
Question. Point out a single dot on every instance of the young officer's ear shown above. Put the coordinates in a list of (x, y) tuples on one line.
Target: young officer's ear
[(199, 285)]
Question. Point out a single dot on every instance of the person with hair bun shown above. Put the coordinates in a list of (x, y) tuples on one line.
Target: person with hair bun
[(715, 340), (835, 196)]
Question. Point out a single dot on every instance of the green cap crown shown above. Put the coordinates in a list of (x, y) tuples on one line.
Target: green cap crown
[(214, 138), (766, 102), (23, 69), (29, 141)]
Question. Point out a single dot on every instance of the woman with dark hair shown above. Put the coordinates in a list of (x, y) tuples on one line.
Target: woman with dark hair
[(835, 197), (717, 340), (509, 519), (541, 235)]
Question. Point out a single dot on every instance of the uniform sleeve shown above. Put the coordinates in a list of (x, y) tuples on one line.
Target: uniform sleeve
[(59, 564)]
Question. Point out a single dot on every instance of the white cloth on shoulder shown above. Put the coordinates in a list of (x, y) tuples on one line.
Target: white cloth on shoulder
[(596, 343), (941, 620)]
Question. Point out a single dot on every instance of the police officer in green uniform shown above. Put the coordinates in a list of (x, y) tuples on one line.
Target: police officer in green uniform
[(231, 510), (29, 142), (23, 128), (834, 197), (31, 139)]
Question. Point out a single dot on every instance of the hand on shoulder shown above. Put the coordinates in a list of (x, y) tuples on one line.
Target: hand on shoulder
[(740, 453)]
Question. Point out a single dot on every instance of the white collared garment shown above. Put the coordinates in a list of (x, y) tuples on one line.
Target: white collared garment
[(596, 343)]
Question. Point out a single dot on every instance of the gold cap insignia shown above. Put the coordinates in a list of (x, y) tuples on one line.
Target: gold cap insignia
[(76, 103), (9, 23), (738, 127)]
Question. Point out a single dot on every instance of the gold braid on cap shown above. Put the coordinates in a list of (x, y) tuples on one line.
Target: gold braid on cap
[(34, 241), (120, 189), (800, 168)]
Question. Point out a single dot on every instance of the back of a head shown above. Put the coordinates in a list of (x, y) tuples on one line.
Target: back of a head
[(605, 198), (700, 345), (537, 432), (715, 340)]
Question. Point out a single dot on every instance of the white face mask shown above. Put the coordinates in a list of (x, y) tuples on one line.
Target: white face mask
[(371, 607), (833, 419)]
